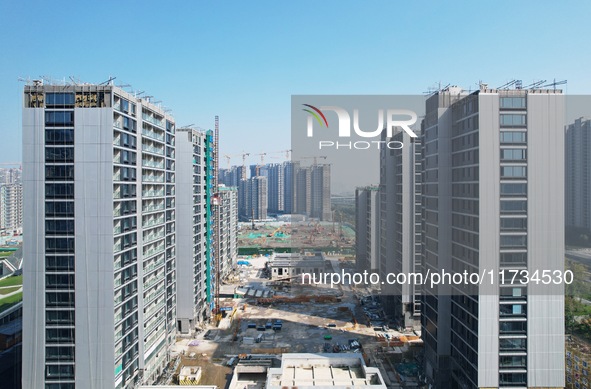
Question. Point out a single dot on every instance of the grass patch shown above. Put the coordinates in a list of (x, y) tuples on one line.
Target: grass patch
[(9, 289), (9, 301), (6, 253), (12, 281)]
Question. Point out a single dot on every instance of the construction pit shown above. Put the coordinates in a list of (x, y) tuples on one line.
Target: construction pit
[(314, 319), (284, 236)]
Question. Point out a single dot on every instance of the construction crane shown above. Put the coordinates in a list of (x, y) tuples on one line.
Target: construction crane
[(315, 158), (258, 167), (243, 155)]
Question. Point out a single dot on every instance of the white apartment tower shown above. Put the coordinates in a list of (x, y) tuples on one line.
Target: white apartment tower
[(191, 219), (99, 232), (493, 164)]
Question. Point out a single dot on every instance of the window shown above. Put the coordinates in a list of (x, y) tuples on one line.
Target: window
[(512, 344), (512, 361), (59, 353), (512, 310), (511, 189), (513, 206), (59, 154), (513, 102), (513, 241), (59, 118), (59, 281), (513, 327), (513, 258), (513, 224), (59, 136), (518, 137), (59, 335), (59, 191), (513, 120), (59, 208), (129, 124), (59, 263), (59, 317), (59, 245), (59, 100), (513, 154), (59, 372), (59, 227), (513, 171), (124, 105), (59, 299), (513, 379), (59, 173)]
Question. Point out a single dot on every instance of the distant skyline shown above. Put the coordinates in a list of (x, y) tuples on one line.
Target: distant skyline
[(244, 60)]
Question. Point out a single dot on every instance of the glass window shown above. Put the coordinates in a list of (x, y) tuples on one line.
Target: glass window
[(512, 344), (514, 241), (59, 353), (59, 335), (513, 258), (59, 299), (59, 154), (513, 206), (513, 120), (512, 361), (513, 189), (59, 172), (59, 372), (59, 263), (513, 102), (59, 227), (59, 281), (513, 154), (59, 136), (59, 118), (513, 171), (513, 327), (54, 100), (124, 105), (65, 317), (513, 224), (59, 191), (515, 137), (59, 245), (59, 208)]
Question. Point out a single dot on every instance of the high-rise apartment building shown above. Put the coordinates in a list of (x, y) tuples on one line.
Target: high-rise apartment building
[(99, 226), (320, 206), (252, 198), (493, 175), (578, 173), (367, 236), (400, 226), (228, 230), (289, 187), (191, 220), (11, 207), (276, 188)]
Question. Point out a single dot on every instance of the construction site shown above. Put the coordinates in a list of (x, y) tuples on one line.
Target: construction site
[(261, 238), (267, 318)]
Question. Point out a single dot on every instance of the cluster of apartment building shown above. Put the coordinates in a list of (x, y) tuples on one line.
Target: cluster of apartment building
[(281, 188), (481, 188), (125, 228)]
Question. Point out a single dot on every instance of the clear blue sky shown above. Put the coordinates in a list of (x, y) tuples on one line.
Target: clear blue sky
[(243, 60)]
